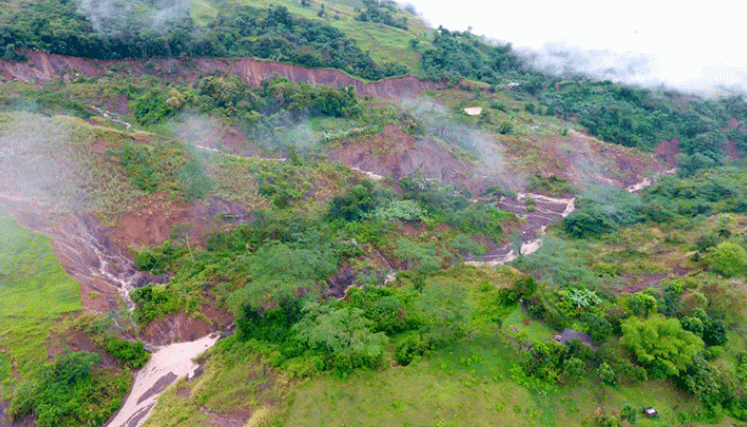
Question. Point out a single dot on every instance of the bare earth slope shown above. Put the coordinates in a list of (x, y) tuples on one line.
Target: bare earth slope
[(46, 67)]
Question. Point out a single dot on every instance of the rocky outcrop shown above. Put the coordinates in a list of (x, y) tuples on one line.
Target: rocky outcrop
[(43, 66)]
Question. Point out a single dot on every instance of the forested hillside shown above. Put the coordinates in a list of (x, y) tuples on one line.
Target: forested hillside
[(479, 243)]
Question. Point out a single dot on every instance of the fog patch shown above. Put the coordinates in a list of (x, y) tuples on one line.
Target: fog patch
[(38, 161), (120, 19), (647, 70), (436, 121)]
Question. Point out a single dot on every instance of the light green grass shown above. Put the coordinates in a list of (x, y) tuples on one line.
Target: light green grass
[(529, 329), (34, 292), (465, 385), (470, 384), (383, 43)]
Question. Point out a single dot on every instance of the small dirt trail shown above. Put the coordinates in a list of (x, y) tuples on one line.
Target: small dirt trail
[(166, 365)]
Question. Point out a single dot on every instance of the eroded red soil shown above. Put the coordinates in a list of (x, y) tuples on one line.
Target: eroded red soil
[(45, 67)]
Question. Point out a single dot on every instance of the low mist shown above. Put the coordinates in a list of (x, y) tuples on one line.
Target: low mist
[(115, 18), (487, 150), (635, 68), (38, 162)]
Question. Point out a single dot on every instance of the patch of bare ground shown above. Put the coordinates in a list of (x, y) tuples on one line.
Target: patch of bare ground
[(580, 158), (185, 327), (586, 161), (632, 283), (395, 153), (42, 67), (5, 421), (74, 340), (154, 220)]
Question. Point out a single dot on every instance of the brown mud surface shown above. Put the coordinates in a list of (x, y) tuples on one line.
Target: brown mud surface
[(579, 158), (27, 421), (183, 327), (45, 67), (153, 221)]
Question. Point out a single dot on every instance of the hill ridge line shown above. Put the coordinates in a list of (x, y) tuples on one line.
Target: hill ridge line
[(42, 67)]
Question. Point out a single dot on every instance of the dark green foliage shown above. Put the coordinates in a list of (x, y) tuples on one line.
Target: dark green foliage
[(390, 311), (156, 258), (381, 13), (551, 185), (642, 304), (357, 203), (603, 209), (196, 184), (660, 344), (702, 380), (409, 348), (344, 334), (70, 392), (431, 196), (629, 413), (728, 259), (463, 54), (559, 263), (548, 361), (445, 311), (621, 370), (272, 325), (420, 257), (154, 301), (152, 108), (57, 26), (131, 354), (138, 165), (606, 374), (525, 286), (599, 328)]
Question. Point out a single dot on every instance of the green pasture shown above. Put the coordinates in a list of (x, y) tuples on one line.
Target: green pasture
[(34, 292)]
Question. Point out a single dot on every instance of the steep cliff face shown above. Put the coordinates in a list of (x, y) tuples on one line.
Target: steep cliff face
[(42, 67)]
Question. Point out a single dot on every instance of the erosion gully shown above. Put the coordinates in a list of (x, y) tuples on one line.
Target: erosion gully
[(89, 257), (174, 361)]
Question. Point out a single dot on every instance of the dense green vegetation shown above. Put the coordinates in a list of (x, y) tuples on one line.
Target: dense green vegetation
[(358, 288), (71, 392), (134, 32)]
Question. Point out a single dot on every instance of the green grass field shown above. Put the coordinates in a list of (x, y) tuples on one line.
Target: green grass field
[(34, 292), (471, 384)]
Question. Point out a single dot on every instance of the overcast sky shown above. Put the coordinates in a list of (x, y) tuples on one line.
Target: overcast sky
[(683, 44)]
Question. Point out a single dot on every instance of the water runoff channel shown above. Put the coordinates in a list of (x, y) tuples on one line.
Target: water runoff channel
[(171, 362)]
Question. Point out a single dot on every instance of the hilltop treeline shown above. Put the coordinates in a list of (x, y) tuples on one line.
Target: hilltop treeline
[(59, 27)]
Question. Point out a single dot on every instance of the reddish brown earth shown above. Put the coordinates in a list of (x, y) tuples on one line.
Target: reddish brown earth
[(48, 66), (667, 150), (183, 327), (576, 157), (153, 221)]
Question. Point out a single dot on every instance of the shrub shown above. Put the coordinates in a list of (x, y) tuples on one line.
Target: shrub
[(728, 259), (132, 354)]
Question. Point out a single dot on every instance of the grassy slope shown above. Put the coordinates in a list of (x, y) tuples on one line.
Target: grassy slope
[(384, 43), (34, 292), (468, 384)]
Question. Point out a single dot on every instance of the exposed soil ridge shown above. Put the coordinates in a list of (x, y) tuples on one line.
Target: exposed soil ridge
[(42, 67)]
